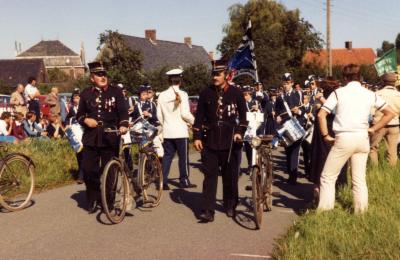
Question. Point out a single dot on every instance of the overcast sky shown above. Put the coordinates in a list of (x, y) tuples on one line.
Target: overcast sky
[(365, 22)]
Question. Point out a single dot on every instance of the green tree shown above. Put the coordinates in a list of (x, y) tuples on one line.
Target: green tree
[(5, 89), (281, 37), (122, 63), (195, 78), (386, 45), (56, 75)]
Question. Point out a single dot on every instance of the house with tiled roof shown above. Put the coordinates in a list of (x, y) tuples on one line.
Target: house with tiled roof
[(13, 72), (158, 54), (56, 55), (347, 55)]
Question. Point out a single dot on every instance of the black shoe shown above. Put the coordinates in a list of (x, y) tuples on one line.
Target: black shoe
[(292, 181), (207, 216), (92, 207), (187, 185), (248, 187), (230, 212), (165, 187)]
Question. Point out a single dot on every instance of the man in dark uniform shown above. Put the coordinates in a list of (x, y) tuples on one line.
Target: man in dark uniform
[(219, 107), (101, 106), (293, 101)]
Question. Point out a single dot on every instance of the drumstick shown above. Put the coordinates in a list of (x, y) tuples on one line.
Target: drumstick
[(284, 113)]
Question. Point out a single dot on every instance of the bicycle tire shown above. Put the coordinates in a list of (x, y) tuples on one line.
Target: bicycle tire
[(257, 200), (13, 176), (151, 179), (268, 185), (114, 191)]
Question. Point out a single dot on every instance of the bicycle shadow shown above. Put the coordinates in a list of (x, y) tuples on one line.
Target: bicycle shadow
[(29, 205), (244, 216), (80, 199)]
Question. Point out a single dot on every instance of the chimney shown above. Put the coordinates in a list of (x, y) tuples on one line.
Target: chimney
[(150, 35), (211, 55), (348, 45), (188, 41)]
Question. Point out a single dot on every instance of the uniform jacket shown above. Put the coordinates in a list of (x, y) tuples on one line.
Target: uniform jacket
[(174, 118), (108, 108), (142, 106), (221, 114), (292, 99)]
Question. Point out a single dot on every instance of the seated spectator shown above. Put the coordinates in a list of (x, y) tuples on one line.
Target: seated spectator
[(6, 128), (17, 127), (32, 129), (55, 129), (43, 123)]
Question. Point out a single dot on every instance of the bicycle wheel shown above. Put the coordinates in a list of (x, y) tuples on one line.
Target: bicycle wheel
[(268, 181), (257, 196), (17, 182), (151, 179), (114, 191)]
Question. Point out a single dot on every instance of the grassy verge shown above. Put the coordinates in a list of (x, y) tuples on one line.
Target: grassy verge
[(339, 234), (55, 161)]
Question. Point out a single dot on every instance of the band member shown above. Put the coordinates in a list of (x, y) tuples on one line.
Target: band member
[(100, 106), (270, 115), (260, 95), (306, 120), (144, 108), (292, 100), (219, 107), (252, 105), (174, 115)]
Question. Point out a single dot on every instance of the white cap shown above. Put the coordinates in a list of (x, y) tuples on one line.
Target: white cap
[(120, 85), (173, 72)]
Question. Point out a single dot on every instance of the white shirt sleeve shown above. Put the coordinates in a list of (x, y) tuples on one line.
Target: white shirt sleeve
[(330, 103), (185, 109), (379, 103), (3, 128), (159, 112)]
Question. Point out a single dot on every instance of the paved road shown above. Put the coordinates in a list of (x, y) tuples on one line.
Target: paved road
[(57, 226)]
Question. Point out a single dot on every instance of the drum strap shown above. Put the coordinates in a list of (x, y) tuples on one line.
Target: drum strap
[(287, 107)]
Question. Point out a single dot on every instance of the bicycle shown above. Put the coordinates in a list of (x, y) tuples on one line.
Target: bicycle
[(261, 176), (118, 180), (17, 180)]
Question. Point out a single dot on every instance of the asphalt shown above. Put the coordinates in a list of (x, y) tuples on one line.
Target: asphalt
[(56, 225)]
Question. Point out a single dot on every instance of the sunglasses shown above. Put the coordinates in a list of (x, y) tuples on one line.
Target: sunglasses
[(100, 74)]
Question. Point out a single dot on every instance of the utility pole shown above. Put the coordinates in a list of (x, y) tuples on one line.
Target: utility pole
[(328, 36)]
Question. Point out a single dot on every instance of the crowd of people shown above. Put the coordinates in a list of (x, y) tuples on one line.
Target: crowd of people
[(343, 123)]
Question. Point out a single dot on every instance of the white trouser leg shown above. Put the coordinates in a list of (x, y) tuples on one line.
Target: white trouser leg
[(337, 157), (358, 170)]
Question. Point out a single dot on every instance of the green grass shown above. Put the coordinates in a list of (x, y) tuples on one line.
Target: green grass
[(339, 234), (55, 161)]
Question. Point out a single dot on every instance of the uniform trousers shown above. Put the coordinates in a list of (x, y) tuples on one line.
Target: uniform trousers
[(292, 159), (391, 135), (249, 153), (172, 145), (216, 163), (93, 161), (353, 146), (306, 147)]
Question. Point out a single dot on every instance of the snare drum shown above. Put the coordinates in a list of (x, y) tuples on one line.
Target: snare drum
[(142, 129), (291, 131)]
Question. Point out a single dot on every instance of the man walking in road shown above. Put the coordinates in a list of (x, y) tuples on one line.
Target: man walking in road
[(220, 106), (174, 116)]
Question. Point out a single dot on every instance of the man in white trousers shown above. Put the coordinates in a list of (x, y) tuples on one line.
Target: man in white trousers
[(352, 105), (174, 116)]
